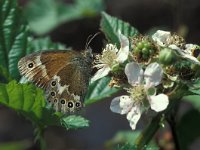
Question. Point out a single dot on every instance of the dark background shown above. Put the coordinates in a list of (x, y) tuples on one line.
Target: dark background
[(180, 16)]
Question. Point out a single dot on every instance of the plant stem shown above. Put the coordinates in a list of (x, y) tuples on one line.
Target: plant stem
[(172, 125), (147, 134), (39, 131)]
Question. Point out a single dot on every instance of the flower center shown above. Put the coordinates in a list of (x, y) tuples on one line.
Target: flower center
[(108, 56), (138, 93)]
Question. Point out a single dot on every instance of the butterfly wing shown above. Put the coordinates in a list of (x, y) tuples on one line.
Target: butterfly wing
[(63, 74), (40, 67)]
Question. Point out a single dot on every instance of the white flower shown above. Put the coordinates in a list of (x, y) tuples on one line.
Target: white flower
[(162, 38), (110, 57), (187, 53), (141, 82)]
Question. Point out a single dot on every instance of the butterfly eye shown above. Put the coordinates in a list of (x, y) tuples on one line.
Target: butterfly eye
[(70, 104), (53, 83), (78, 104), (30, 65), (62, 101), (53, 93)]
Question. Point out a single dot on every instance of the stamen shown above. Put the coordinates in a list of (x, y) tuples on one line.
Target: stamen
[(108, 56), (137, 93)]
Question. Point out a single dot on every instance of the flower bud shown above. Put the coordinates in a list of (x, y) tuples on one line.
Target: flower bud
[(117, 69), (167, 56)]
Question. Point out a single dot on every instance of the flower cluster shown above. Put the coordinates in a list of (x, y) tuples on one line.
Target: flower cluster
[(151, 67), (165, 39)]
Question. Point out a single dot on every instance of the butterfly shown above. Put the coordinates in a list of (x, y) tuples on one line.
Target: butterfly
[(63, 74)]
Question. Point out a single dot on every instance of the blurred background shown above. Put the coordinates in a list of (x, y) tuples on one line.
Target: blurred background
[(71, 22)]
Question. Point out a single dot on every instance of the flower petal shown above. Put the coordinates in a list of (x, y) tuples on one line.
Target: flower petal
[(161, 37), (159, 102), (121, 104), (190, 48), (174, 47), (153, 74), (187, 54), (192, 59), (134, 73), (126, 104), (114, 106), (101, 73), (124, 50), (133, 116), (99, 66)]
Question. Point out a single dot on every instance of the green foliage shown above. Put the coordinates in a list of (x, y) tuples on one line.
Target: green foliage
[(193, 95), (44, 15), (194, 100), (30, 102), (98, 90), (26, 98), (188, 128), (4, 75), (124, 137), (133, 147), (14, 41), (126, 147), (74, 122), (195, 88), (21, 145), (110, 26), (13, 36), (124, 140), (40, 44)]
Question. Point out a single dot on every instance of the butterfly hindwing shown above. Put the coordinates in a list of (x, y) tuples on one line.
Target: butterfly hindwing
[(68, 88)]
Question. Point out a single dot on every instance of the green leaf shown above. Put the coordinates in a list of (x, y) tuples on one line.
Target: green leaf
[(40, 44), (125, 147), (13, 36), (19, 145), (110, 26), (133, 147), (30, 102), (45, 15), (188, 129), (75, 122), (4, 75), (124, 140), (98, 90), (125, 137), (195, 87), (26, 99), (194, 100)]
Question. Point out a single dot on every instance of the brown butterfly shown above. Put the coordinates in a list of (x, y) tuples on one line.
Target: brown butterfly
[(63, 74)]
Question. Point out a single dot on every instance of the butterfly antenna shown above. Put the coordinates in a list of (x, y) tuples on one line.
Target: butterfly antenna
[(90, 38)]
